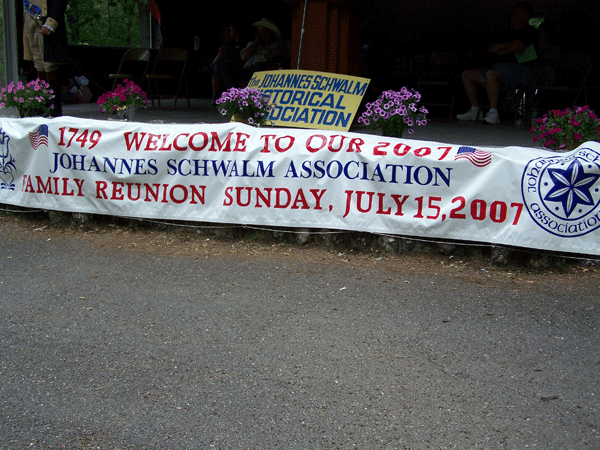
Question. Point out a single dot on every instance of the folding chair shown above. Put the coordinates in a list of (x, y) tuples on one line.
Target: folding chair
[(169, 68), (572, 71), (439, 75), (517, 99), (134, 66)]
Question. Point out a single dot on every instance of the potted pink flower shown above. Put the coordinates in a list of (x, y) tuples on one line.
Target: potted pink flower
[(123, 100), (566, 129), (31, 99)]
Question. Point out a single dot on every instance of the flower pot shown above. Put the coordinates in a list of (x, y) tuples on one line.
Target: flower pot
[(31, 112), (11, 111), (123, 114), (240, 119), (392, 130)]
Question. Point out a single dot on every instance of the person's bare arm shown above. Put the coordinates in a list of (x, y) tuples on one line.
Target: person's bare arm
[(247, 52)]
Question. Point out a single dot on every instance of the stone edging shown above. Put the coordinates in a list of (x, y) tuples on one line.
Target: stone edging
[(363, 241)]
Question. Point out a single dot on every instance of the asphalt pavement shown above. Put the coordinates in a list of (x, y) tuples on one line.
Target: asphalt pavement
[(109, 341)]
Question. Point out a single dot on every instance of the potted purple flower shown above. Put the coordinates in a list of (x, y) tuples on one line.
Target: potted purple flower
[(249, 106), (394, 112), (566, 129)]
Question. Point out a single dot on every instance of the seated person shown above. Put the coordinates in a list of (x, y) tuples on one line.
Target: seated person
[(266, 52), (549, 53), (515, 54), (228, 58)]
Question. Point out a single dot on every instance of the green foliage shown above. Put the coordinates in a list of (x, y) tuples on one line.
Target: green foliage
[(112, 23)]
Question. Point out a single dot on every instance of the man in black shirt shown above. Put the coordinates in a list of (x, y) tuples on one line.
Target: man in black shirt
[(514, 54)]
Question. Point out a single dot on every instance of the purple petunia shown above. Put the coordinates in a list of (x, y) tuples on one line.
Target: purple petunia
[(395, 111), (248, 104)]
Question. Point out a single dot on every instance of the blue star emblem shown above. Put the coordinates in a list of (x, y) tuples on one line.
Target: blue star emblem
[(572, 187)]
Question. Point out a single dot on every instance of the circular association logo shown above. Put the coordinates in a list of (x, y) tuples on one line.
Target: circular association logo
[(562, 192)]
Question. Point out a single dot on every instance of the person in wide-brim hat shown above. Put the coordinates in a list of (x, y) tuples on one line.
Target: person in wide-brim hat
[(269, 25), (266, 52)]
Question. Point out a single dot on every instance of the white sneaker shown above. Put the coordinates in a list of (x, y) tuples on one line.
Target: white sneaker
[(471, 114), (492, 117)]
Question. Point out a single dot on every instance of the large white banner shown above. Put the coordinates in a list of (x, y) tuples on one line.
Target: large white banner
[(233, 173)]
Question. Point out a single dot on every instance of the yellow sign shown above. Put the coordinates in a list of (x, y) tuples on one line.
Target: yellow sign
[(306, 99)]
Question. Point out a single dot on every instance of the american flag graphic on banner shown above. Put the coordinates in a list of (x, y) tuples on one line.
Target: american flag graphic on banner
[(40, 137), (477, 157)]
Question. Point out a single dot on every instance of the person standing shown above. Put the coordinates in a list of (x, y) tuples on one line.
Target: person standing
[(45, 43)]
